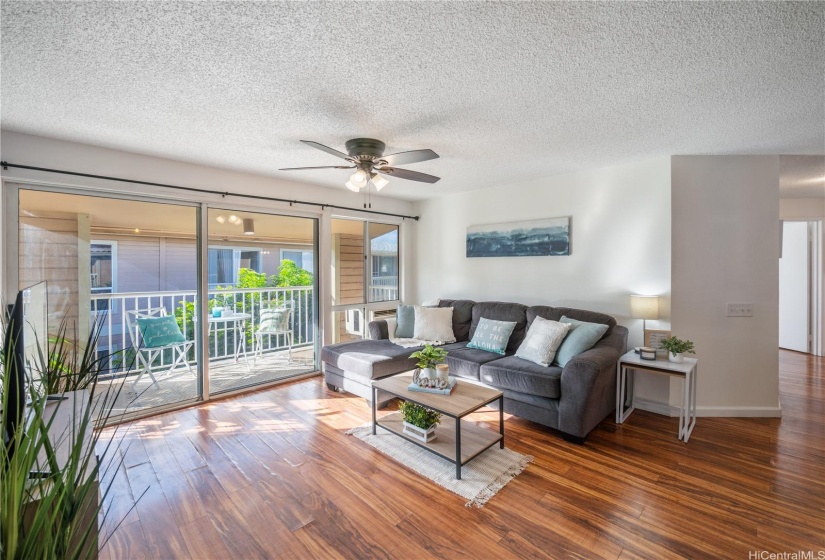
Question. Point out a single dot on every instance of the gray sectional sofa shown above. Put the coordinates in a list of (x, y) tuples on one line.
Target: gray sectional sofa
[(573, 399)]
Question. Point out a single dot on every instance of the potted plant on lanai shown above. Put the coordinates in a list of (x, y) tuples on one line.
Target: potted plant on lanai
[(676, 347), (419, 421)]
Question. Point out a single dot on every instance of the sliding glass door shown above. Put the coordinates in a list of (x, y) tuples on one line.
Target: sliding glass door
[(262, 298), (127, 270), (131, 270)]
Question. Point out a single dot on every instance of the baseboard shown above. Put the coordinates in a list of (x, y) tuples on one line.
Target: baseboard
[(656, 407), (712, 411), (740, 411)]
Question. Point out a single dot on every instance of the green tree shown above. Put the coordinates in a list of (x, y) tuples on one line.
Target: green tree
[(290, 275), (248, 278)]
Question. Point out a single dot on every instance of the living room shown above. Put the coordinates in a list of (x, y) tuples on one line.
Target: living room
[(670, 135)]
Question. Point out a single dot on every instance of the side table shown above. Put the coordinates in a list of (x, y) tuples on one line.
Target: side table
[(687, 370)]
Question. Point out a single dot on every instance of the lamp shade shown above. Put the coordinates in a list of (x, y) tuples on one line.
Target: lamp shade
[(248, 226), (644, 307)]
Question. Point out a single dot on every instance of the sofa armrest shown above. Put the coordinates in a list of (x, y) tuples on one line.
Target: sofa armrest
[(379, 330), (588, 384)]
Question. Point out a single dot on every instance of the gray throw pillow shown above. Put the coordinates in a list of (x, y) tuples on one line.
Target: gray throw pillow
[(492, 336), (405, 321), (582, 336), (542, 341)]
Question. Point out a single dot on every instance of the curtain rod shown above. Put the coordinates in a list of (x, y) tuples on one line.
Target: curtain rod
[(6, 165)]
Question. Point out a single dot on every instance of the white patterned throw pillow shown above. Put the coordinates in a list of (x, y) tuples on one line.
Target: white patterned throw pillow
[(434, 323), (542, 341)]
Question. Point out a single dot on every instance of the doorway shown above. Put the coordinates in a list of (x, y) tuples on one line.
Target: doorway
[(800, 287)]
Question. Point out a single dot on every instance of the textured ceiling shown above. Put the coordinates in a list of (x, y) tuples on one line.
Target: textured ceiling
[(504, 92)]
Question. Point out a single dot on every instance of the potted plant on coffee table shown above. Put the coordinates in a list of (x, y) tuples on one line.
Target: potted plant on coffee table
[(419, 421), (676, 347), (428, 358)]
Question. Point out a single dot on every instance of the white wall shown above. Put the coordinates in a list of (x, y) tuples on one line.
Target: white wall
[(725, 231), (620, 245)]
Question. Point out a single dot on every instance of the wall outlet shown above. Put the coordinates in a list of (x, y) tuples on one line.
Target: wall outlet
[(740, 310)]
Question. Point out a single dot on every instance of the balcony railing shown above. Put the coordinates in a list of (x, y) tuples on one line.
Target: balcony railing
[(115, 337), (383, 288)]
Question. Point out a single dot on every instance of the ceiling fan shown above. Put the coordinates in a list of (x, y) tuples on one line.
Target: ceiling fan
[(366, 156)]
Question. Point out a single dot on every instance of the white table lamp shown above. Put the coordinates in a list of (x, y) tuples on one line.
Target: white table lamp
[(644, 307)]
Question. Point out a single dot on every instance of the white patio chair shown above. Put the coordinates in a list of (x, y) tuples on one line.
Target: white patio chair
[(273, 322), (152, 333)]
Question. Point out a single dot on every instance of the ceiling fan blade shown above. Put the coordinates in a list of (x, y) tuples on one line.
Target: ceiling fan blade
[(322, 167), (326, 149), (405, 158), (407, 174)]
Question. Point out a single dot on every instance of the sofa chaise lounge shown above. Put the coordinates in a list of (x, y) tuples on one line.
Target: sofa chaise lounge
[(573, 399)]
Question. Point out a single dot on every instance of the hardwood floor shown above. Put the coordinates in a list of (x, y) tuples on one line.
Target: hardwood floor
[(273, 475)]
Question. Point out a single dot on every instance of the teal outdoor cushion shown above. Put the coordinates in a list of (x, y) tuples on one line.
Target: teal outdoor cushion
[(581, 336), (274, 320), (160, 331), (492, 336), (405, 321)]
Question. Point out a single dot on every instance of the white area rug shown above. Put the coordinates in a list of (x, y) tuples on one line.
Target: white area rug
[(481, 478)]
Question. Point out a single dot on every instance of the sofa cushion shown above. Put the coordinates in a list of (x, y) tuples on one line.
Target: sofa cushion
[(499, 311), (465, 362), (462, 316), (515, 374), (544, 337), (556, 313), (582, 336), (405, 321), (370, 358), (492, 336)]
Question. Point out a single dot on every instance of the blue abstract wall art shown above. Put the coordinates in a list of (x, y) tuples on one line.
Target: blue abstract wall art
[(533, 238)]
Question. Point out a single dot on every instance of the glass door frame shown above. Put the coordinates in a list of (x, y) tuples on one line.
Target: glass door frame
[(316, 282), (11, 258)]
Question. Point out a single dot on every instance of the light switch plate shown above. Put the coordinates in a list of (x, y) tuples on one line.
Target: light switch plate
[(740, 310)]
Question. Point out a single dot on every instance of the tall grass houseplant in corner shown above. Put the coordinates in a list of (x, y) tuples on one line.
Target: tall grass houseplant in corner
[(50, 474)]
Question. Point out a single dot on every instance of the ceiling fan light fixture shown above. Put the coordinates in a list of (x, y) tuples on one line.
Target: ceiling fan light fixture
[(359, 178), (353, 188), (378, 181)]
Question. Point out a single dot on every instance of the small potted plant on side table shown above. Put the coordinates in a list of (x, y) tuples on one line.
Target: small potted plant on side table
[(419, 421), (676, 347), (428, 358)]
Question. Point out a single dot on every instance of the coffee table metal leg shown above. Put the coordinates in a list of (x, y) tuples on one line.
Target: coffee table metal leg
[(458, 448), (501, 420), (374, 404)]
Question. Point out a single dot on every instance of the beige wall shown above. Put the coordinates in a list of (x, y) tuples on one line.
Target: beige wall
[(725, 231), (802, 208)]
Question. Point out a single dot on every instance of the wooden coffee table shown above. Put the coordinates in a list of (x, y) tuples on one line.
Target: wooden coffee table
[(464, 444)]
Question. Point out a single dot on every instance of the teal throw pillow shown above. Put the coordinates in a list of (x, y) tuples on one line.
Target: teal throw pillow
[(492, 336), (581, 336), (405, 321), (160, 331)]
